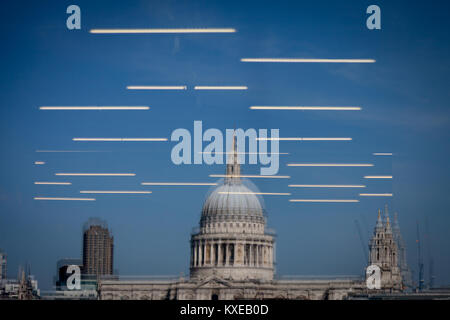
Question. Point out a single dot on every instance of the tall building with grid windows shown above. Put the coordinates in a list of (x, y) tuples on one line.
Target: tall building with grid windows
[(2, 265), (98, 248)]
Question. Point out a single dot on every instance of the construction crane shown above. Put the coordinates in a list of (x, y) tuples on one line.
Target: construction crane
[(420, 261), (363, 243), (430, 256)]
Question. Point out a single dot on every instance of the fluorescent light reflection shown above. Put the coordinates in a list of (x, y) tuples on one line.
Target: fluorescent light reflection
[(247, 176), (221, 152), (382, 154), (220, 88), (306, 139), (69, 151), (375, 194), (377, 177), (323, 200), (176, 30), (96, 108), (120, 139), (39, 162), (304, 108), (64, 199), (179, 184), (329, 165), (257, 193), (115, 192), (53, 183), (325, 186), (308, 60), (97, 174), (156, 87)]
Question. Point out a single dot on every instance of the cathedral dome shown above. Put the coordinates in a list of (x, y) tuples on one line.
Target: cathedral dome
[(232, 198)]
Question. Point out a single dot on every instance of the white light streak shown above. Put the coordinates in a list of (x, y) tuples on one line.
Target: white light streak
[(97, 174), (294, 60), (39, 162), (375, 194), (257, 193), (179, 184), (115, 192), (382, 154), (156, 87), (377, 177), (149, 31), (247, 176), (229, 152), (64, 199), (220, 88), (121, 139), (330, 165), (305, 108), (323, 200), (53, 183), (325, 186), (97, 108), (69, 151), (306, 139)]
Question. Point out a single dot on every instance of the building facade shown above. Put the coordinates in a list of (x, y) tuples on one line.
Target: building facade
[(384, 254), (3, 265), (232, 241), (98, 248), (233, 255)]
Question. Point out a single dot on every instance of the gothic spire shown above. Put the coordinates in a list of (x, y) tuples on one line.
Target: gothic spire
[(379, 221), (386, 212)]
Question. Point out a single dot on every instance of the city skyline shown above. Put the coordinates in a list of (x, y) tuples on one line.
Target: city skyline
[(401, 128)]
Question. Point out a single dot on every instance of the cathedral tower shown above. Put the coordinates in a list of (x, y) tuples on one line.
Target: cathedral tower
[(384, 253), (232, 241)]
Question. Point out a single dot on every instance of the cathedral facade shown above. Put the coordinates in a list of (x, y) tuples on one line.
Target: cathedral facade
[(232, 257)]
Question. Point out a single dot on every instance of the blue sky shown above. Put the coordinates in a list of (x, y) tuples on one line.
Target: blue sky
[(404, 96)]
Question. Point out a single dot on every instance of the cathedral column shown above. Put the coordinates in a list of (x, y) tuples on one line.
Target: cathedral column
[(211, 253), (219, 256), (250, 263), (227, 254), (200, 253), (195, 253)]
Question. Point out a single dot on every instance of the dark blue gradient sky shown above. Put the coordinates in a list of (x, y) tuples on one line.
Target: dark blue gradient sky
[(404, 96)]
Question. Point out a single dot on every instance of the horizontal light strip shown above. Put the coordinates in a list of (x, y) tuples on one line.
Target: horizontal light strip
[(64, 199), (323, 200), (39, 162), (329, 165), (304, 108), (382, 154), (257, 193), (221, 152), (375, 194), (377, 177), (247, 176), (97, 174), (220, 88), (178, 184), (326, 186), (189, 30), (120, 139), (306, 139), (54, 183), (156, 87), (63, 151), (116, 192), (96, 108), (308, 60)]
